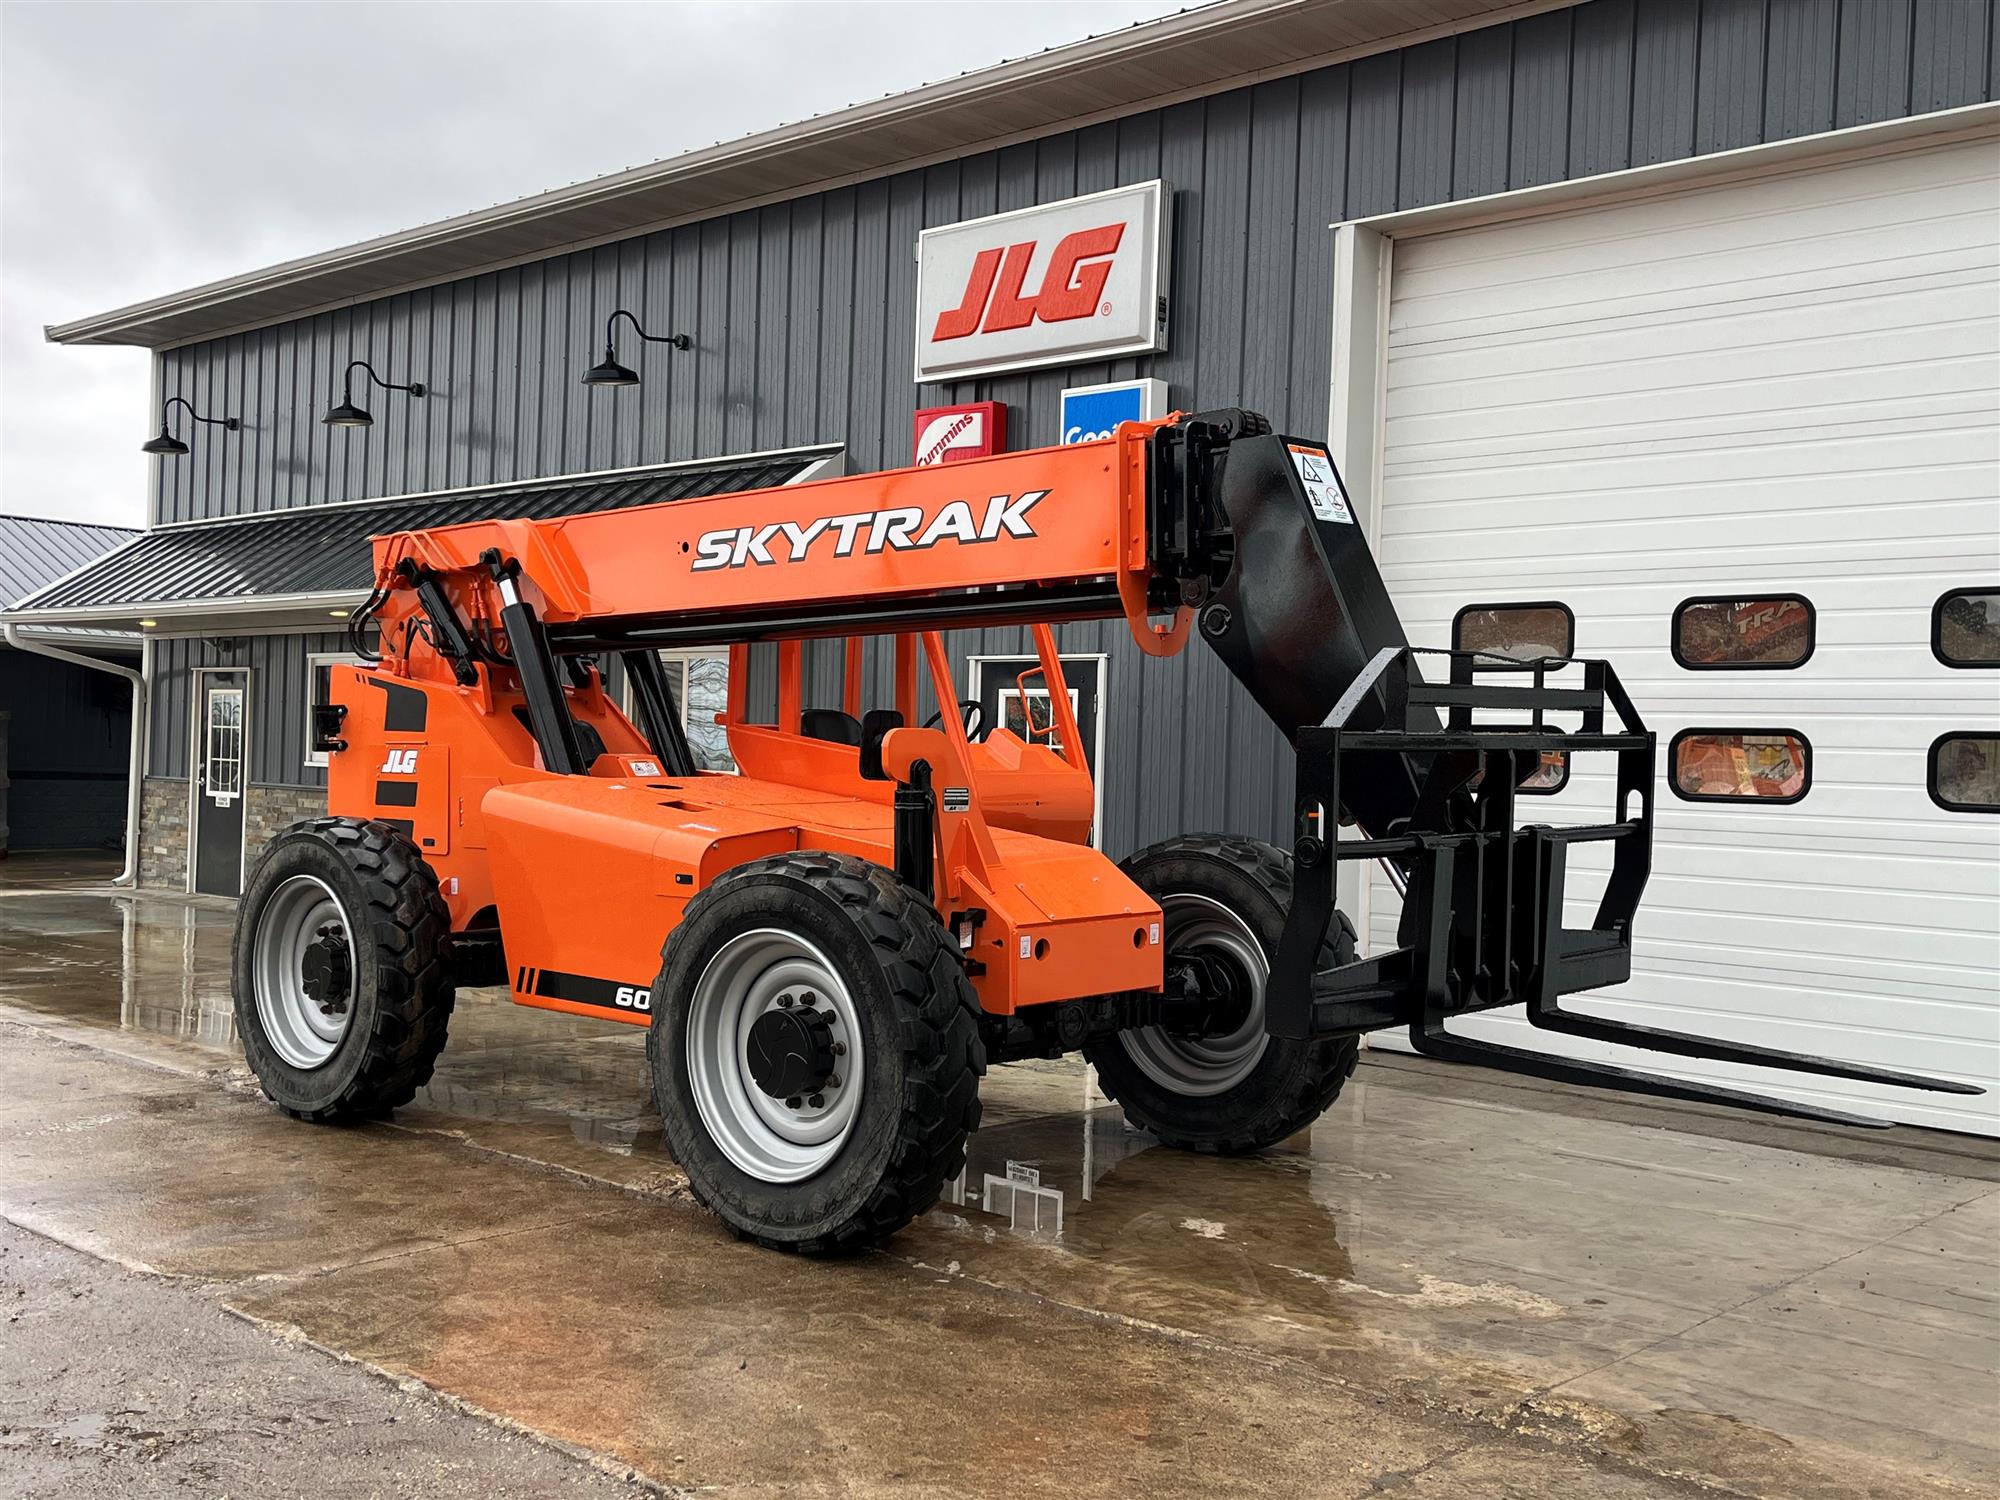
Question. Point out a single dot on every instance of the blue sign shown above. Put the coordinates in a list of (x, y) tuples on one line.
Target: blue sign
[(1090, 412)]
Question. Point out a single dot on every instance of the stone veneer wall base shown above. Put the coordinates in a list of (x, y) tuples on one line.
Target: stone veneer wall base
[(163, 828)]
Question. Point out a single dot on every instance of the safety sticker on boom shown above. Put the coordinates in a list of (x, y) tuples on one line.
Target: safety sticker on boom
[(1323, 491)]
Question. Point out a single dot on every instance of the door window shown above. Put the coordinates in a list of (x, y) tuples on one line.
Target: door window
[(1014, 695), (1740, 765), (1965, 772), (1771, 633), (1965, 628), (1029, 715), (222, 746), (1520, 632), (700, 685)]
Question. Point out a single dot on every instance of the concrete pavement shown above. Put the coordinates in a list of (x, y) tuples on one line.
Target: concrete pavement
[(1454, 1284), (120, 1386)]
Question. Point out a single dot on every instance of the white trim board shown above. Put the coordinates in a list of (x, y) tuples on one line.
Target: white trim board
[(1914, 132)]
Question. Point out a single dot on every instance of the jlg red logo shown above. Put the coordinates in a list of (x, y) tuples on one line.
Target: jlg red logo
[(1059, 283), (995, 296)]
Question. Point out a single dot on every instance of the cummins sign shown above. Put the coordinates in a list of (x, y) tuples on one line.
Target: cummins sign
[(1059, 283)]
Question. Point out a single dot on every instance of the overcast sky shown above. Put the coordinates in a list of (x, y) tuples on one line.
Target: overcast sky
[(149, 148)]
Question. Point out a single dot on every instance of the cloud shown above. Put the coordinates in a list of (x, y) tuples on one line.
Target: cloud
[(148, 148)]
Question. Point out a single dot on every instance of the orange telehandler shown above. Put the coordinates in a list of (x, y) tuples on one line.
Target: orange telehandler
[(830, 946)]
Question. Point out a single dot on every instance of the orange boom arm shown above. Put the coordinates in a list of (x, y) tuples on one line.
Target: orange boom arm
[(1059, 533)]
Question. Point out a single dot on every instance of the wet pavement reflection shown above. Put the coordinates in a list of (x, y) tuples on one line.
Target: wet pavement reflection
[(1474, 1246), (1054, 1162)]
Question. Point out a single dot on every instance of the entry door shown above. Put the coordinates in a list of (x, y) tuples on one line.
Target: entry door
[(218, 786), (999, 691)]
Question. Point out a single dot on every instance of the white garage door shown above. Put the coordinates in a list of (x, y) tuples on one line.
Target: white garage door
[(1781, 387)]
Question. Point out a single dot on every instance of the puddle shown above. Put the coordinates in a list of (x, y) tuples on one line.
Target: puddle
[(161, 969), (119, 962), (1054, 1168)]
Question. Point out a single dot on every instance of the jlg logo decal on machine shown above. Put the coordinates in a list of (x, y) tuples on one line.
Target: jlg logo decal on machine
[(400, 763), (900, 528), (1085, 278)]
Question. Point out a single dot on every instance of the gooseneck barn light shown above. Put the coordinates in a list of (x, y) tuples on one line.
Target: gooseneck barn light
[(610, 372), (169, 446), (347, 414)]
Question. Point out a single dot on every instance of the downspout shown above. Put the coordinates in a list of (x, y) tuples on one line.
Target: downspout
[(136, 767)]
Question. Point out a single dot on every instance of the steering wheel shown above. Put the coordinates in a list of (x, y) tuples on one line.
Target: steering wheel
[(974, 714)]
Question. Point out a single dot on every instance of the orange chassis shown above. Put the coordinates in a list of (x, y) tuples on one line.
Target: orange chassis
[(584, 876)]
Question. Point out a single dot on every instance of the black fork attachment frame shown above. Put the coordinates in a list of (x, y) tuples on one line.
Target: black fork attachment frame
[(1287, 592), (1483, 899)]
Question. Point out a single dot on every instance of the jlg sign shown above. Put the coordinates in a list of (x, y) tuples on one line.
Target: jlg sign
[(1084, 279)]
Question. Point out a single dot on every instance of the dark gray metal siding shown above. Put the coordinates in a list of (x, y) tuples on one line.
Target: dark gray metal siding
[(277, 666), (36, 552), (802, 311), (64, 752)]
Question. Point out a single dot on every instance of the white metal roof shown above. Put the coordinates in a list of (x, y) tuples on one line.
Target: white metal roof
[(1199, 51)]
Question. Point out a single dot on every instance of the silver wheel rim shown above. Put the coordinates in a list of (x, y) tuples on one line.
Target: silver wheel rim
[(771, 1139), (1211, 1064), (300, 1030)]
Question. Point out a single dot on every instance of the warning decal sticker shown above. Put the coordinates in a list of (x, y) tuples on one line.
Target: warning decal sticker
[(1328, 499)]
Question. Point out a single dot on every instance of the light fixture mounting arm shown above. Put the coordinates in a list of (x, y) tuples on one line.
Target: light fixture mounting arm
[(678, 340), (232, 424), (415, 387)]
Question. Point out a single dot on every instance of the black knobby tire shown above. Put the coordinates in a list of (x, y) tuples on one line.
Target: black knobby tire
[(1291, 1082), (402, 988), (922, 1061)]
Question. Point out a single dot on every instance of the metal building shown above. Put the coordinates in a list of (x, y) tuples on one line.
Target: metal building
[(1665, 330)]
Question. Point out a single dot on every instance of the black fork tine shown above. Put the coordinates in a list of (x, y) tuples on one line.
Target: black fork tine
[(1437, 1042), (1550, 1016)]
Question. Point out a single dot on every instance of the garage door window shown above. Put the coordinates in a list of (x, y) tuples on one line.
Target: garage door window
[(1725, 634), (1520, 632), (1965, 772), (1544, 779), (1740, 765), (1965, 628)]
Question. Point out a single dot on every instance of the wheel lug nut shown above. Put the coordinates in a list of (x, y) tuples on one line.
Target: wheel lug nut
[(809, 999), (784, 1002), (833, 1080), (817, 1101), (793, 1102), (840, 1049)]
